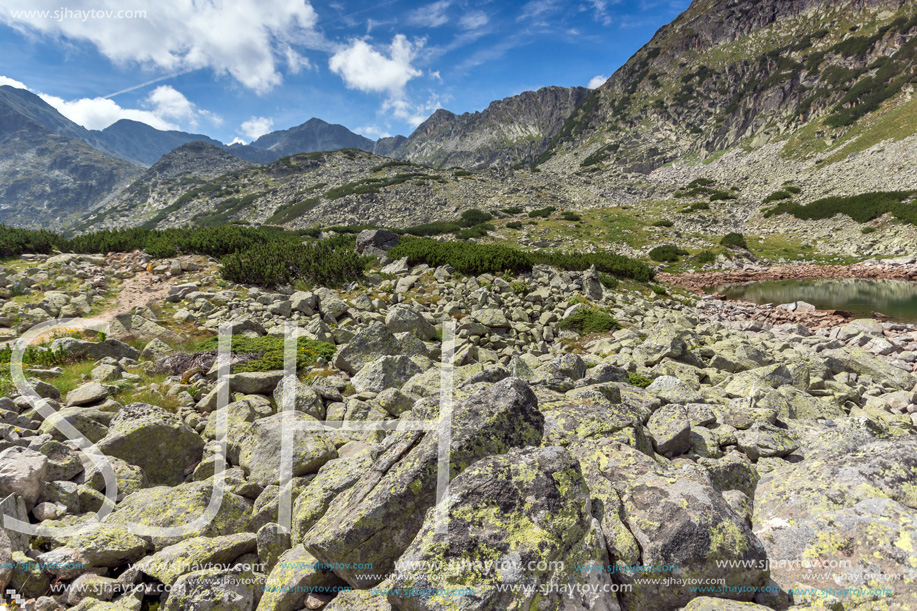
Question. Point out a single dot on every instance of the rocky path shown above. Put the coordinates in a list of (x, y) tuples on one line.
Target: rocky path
[(138, 291)]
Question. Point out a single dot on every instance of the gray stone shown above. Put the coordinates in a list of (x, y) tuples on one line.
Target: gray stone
[(385, 372), (671, 430), (87, 394), (22, 472)]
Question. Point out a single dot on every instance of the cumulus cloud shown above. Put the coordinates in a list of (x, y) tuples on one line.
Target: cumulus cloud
[(5, 80), (597, 81), (244, 39), (256, 127), (368, 69), (431, 15), (372, 132)]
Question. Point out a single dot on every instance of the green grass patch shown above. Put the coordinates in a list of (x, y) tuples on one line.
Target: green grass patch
[(270, 350), (638, 380)]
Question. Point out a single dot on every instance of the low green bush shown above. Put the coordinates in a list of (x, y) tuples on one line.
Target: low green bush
[(586, 322), (734, 240), (473, 217), (329, 262), (638, 380), (542, 213), (476, 259), (570, 216), (514, 225), (512, 210), (778, 196), (667, 253), (609, 281), (704, 257), (664, 223), (476, 231), (861, 208)]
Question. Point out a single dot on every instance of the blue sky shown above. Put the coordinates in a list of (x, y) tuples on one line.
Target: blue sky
[(239, 68)]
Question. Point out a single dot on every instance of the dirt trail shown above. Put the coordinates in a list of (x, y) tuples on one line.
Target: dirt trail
[(139, 290)]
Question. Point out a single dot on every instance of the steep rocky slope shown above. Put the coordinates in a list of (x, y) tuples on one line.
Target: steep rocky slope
[(47, 179), (350, 187), (509, 132), (728, 73), (187, 167)]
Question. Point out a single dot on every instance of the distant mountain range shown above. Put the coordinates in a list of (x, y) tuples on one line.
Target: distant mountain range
[(820, 80)]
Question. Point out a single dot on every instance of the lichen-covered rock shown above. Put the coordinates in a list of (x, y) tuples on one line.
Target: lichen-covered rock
[(527, 508), (376, 519), (359, 600), (254, 382), (103, 544), (369, 344), (291, 579), (332, 479), (260, 450), (770, 376), (170, 563), (671, 430), (130, 478), (861, 362), (665, 340), (233, 589), (301, 396), (764, 440), (850, 515), (177, 506), (22, 472), (677, 517), (89, 422), (573, 421), (273, 540), (404, 319), (155, 440), (385, 372), (674, 390)]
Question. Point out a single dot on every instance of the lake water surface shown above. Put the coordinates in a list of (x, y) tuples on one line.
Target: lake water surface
[(894, 298)]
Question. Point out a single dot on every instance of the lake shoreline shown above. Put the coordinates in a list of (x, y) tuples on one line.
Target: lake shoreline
[(700, 282)]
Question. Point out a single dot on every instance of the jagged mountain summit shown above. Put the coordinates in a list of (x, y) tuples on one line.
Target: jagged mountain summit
[(143, 145), (512, 131), (730, 73)]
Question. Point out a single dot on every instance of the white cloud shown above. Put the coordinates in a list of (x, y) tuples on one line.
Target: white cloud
[(410, 112), (164, 108), (372, 132), (474, 20), (431, 15), (600, 8), (597, 81), (242, 39), (5, 80), (368, 69), (237, 141), (256, 127), (536, 9)]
